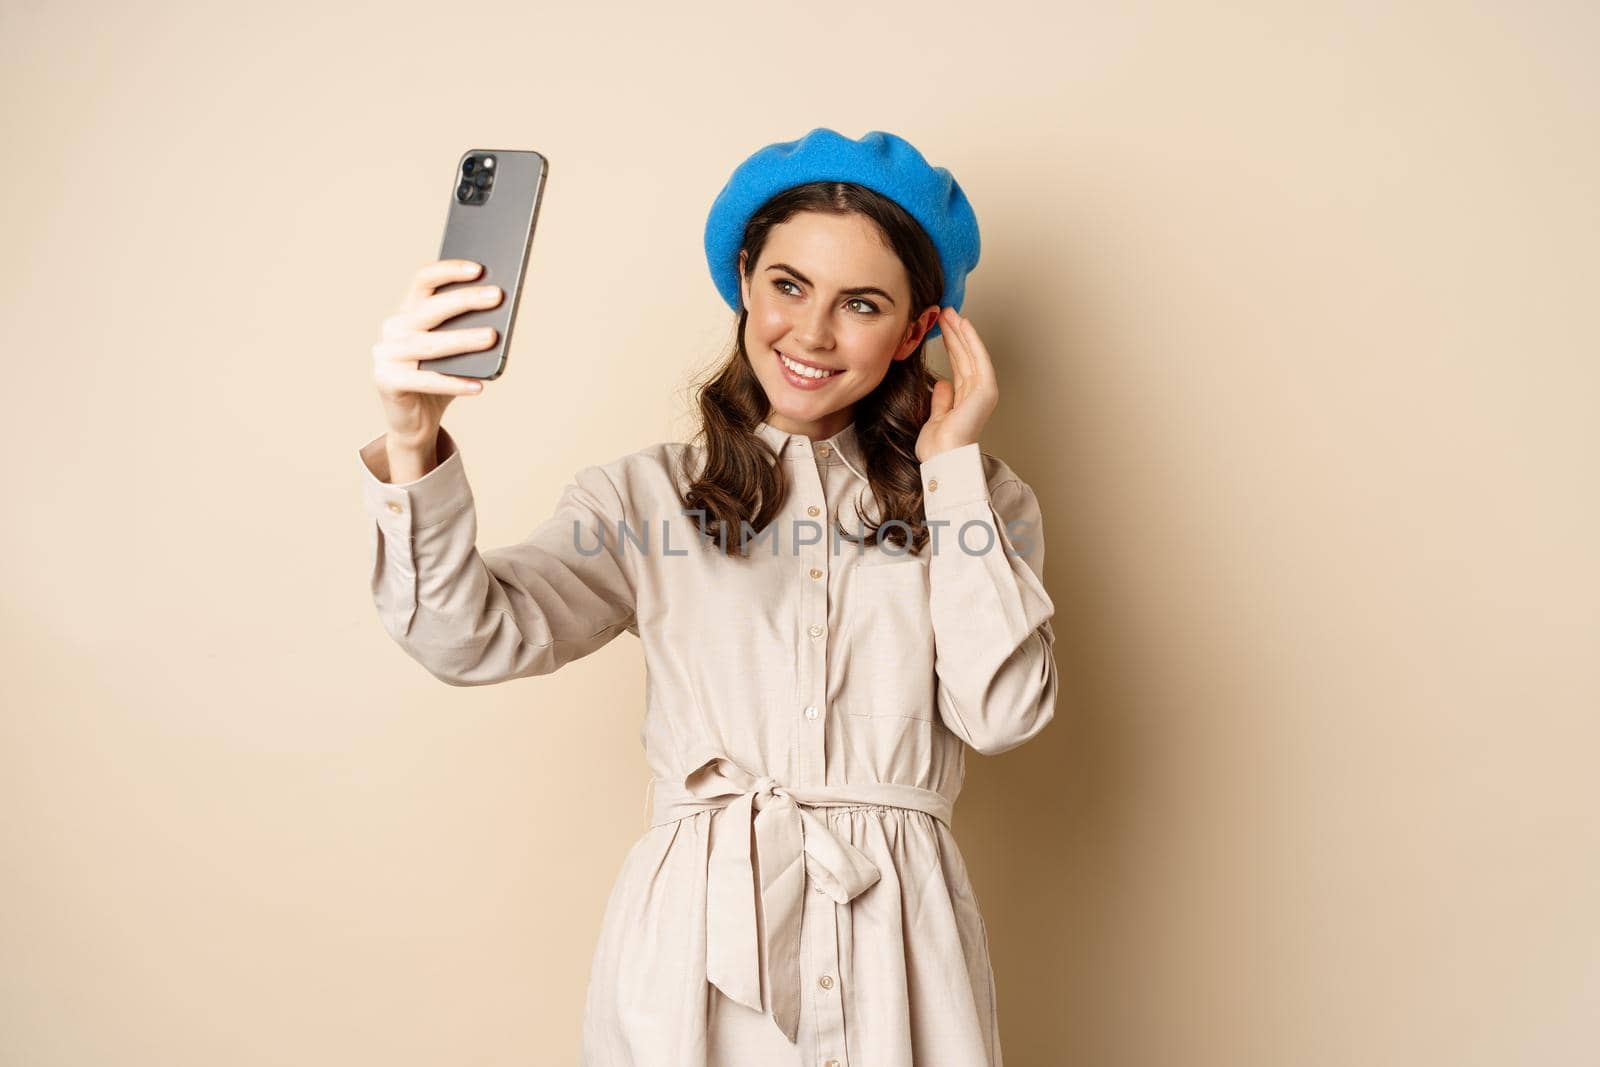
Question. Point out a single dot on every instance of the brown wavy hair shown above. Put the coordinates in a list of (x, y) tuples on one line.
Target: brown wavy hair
[(740, 482)]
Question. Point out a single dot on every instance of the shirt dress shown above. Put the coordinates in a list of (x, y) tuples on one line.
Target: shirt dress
[(798, 896)]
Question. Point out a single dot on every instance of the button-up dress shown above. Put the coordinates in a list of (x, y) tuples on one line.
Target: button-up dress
[(798, 896)]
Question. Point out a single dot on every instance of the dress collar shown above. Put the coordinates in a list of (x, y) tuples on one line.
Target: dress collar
[(842, 446)]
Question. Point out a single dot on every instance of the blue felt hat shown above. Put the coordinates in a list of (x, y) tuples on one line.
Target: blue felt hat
[(879, 161)]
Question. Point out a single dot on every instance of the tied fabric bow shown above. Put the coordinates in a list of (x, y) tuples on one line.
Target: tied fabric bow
[(790, 844)]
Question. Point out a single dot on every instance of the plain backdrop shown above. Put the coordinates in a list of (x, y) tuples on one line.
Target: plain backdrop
[(1293, 312)]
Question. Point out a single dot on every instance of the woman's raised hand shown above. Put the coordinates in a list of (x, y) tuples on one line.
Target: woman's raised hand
[(959, 410), (414, 399)]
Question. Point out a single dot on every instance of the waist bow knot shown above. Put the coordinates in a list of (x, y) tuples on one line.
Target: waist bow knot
[(765, 844)]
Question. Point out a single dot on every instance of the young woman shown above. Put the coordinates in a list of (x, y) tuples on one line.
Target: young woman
[(835, 590)]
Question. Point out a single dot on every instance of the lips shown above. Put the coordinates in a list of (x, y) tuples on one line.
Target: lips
[(798, 380), (803, 362)]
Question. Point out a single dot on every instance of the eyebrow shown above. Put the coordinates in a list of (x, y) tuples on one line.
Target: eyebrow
[(859, 290)]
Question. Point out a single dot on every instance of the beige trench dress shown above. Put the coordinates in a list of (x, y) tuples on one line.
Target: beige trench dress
[(798, 897)]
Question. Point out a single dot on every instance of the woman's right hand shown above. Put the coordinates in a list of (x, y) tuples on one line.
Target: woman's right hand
[(414, 399)]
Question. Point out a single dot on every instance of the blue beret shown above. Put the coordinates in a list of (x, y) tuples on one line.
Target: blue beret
[(879, 161)]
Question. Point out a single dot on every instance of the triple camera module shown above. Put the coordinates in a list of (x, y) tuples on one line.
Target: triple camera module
[(477, 178)]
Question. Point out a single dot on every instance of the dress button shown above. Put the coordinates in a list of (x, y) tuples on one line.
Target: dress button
[(815, 573), (826, 981), (831, 1063), (811, 712), (816, 631), (813, 510), (395, 507), (823, 450), (933, 483)]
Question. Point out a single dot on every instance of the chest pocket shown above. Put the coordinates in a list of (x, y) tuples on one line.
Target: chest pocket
[(889, 638)]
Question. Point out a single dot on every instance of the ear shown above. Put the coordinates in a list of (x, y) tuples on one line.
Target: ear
[(744, 285), (917, 330)]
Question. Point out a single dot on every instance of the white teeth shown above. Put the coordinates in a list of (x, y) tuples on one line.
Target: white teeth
[(804, 371)]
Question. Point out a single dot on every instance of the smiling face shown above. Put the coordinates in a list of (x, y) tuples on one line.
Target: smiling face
[(831, 295)]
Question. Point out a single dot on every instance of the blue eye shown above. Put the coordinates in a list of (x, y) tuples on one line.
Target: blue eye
[(871, 307)]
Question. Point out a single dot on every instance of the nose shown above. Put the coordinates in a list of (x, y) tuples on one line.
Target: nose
[(813, 330)]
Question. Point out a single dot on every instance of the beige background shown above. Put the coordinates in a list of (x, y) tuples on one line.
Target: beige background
[(1293, 312)]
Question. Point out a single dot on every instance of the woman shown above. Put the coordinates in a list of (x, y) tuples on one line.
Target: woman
[(835, 591)]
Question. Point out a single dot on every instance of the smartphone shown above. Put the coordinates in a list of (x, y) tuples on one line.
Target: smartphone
[(494, 207)]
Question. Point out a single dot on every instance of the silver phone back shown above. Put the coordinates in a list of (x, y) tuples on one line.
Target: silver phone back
[(498, 232)]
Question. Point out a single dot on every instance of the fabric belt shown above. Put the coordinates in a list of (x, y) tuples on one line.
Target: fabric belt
[(791, 844)]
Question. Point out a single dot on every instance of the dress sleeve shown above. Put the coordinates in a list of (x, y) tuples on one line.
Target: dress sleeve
[(994, 647), (524, 609)]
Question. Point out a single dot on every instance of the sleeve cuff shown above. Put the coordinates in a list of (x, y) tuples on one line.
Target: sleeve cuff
[(410, 506), (952, 479)]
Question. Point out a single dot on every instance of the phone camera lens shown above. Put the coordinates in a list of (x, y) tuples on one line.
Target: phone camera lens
[(482, 180), (469, 166), (464, 191)]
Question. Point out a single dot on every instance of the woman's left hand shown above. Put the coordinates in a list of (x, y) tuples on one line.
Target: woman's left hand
[(959, 411)]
